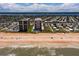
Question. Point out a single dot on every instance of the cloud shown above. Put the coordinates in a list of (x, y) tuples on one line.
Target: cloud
[(39, 7)]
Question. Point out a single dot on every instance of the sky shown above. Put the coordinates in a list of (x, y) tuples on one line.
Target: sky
[(39, 7)]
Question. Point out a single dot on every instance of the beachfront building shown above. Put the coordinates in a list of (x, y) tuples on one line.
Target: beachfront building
[(37, 25), (24, 24), (13, 27)]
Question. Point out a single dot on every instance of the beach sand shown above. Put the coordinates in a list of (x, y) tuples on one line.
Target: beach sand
[(56, 40)]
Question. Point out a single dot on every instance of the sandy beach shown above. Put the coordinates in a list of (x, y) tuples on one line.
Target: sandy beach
[(39, 39)]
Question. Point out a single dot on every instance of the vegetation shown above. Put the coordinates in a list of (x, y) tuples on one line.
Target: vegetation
[(35, 51), (25, 51), (30, 29)]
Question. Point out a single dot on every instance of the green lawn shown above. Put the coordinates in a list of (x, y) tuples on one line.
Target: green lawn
[(30, 29)]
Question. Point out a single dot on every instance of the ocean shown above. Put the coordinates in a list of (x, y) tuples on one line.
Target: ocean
[(41, 13)]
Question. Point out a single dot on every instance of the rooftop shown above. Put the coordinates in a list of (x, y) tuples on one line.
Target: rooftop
[(37, 19), (25, 19)]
